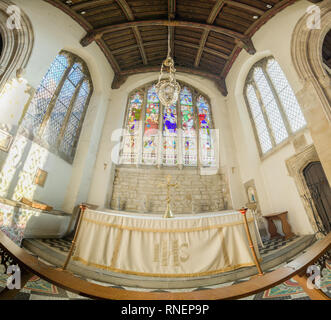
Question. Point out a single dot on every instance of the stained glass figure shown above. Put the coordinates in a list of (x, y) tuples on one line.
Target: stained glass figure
[(207, 155), (134, 113), (188, 126), (182, 126), (170, 135), (131, 134), (150, 142)]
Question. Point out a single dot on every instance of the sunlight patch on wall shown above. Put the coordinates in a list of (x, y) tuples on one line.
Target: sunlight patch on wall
[(11, 164), (25, 187)]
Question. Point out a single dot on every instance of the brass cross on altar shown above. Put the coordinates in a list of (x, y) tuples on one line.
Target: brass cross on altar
[(168, 213)]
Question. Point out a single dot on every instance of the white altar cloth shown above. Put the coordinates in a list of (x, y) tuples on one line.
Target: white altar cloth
[(149, 245)]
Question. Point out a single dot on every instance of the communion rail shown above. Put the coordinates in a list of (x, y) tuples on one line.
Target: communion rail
[(30, 265)]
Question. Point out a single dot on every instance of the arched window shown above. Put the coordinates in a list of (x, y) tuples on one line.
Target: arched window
[(273, 107), (56, 112), (170, 136)]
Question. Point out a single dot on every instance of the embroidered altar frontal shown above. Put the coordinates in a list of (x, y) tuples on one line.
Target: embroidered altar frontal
[(147, 245)]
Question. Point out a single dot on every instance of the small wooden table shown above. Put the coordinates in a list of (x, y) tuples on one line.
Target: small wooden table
[(285, 225)]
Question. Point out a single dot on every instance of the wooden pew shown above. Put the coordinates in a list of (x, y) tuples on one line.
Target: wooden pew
[(30, 265)]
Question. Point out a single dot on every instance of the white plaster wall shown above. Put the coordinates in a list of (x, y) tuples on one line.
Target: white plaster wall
[(277, 191), (101, 186), (67, 185)]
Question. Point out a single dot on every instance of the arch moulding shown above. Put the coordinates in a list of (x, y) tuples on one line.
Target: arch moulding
[(17, 44), (315, 95)]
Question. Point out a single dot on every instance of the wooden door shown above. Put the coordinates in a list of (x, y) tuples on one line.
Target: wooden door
[(320, 192)]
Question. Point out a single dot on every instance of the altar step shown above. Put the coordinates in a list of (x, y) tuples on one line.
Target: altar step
[(274, 253)]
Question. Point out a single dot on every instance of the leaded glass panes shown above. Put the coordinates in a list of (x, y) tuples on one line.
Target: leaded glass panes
[(207, 154), (260, 125), (151, 132), (273, 113), (273, 104), (170, 135), (39, 104), (286, 95), (72, 129), (56, 110), (188, 126), (131, 134)]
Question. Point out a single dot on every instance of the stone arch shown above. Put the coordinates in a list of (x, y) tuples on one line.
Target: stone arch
[(295, 167), (315, 96), (17, 44)]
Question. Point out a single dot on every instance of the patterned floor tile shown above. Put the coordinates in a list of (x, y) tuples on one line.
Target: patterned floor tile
[(40, 297)]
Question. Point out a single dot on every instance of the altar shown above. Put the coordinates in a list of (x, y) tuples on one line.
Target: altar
[(152, 246)]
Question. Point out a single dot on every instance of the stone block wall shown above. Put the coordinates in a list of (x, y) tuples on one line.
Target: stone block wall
[(143, 190)]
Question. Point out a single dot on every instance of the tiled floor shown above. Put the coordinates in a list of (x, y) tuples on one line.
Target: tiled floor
[(38, 289)]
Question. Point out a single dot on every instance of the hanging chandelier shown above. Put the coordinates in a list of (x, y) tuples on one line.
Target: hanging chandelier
[(168, 89)]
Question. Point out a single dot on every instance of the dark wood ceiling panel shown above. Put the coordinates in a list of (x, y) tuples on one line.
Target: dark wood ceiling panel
[(149, 9), (232, 23), (262, 5), (193, 10), (188, 35), (206, 36)]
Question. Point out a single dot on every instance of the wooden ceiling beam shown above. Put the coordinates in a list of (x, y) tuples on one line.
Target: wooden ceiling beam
[(253, 29), (93, 34), (171, 16), (194, 46), (87, 26), (83, 5), (172, 4), (130, 16), (219, 81), (211, 19), (245, 7)]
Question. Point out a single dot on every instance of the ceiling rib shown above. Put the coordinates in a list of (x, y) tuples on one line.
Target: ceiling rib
[(246, 7), (91, 36), (91, 13), (211, 19), (172, 16), (254, 28), (130, 16)]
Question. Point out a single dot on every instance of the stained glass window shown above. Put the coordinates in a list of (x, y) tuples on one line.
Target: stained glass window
[(59, 104), (151, 132), (131, 134), (275, 111), (188, 126), (207, 154), (168, 136)]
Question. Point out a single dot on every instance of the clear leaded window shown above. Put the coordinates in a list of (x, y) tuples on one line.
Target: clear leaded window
[(274, 109), (56, 112), (170, 136)]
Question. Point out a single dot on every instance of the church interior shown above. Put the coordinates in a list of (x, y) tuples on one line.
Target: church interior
[(165, 149)]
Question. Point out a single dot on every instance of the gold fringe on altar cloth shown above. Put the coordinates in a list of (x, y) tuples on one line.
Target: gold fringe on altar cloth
[(186, 246)]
